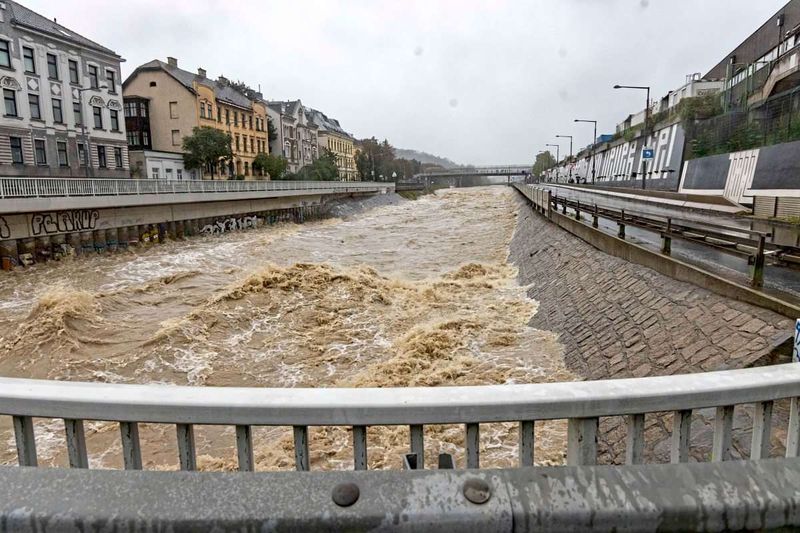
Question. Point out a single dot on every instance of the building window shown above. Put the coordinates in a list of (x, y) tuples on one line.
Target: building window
[(118, 157), (246, 168), (176, 137), (133, 138), (40, 151), (10, 98), (156, 173), (93, 79), (28, 59), (236, 118), (5, 54), (114, 119), (111, 79), (227, 116), (36, 111), (76, 110), (101, 157), (251, 122), (179, 172), (58, 115), (82, 155), (145, 138), (52, 66), (63, 159), (73, 72), (202, 110), (143, 109), (251, 145), (16, 150), (98, 117), (168, 172), (173, 110), (237, 143), (219, 114), (131, 109)]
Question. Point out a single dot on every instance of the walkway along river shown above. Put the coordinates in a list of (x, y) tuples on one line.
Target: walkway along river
[(418, 293)]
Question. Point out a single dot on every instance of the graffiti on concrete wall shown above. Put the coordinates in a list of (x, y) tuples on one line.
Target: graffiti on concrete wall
[(64, 221), (229, 224), (5, 231)]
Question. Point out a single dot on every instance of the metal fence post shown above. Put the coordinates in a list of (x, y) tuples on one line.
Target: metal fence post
[(666, 239), (595, 221), (758, 264), (621, 224)]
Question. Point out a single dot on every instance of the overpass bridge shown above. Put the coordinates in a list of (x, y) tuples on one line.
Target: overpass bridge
[(41, 218), (488, 171)]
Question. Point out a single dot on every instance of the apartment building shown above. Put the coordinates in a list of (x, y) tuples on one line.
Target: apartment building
[(297, 139), (334, 138)]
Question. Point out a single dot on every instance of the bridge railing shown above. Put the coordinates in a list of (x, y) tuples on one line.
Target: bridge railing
[(59, 187), (582, 404)]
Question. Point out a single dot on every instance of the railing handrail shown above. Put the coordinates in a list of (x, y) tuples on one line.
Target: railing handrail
[(30, 187), (394, 406)]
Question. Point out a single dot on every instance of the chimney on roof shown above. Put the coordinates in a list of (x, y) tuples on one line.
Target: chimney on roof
[(201, 72), (223, 80), (171, 61)]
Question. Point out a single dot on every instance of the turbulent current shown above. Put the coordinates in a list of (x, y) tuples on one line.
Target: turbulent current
[(414, 294)]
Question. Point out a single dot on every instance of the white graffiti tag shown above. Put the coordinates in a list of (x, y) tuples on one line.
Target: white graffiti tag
[(230, 224)]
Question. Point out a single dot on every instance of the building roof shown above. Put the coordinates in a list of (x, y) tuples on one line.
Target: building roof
[(761, 41), (21, 16), (223, 91), (327, 124)]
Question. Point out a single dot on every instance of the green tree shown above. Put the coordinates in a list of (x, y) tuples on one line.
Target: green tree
[(544, 161), (374, 158), (272, 165), (205, 148), (272, 133), (322, 169)]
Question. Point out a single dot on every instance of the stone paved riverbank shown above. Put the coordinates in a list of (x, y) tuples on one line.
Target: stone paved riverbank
[(618, 320)]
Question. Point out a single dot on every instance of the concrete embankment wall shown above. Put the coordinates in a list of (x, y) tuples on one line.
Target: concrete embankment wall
[(35, 237), (619, 319)]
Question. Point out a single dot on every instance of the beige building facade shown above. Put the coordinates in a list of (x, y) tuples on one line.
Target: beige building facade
[(179, 101), (334, 138)]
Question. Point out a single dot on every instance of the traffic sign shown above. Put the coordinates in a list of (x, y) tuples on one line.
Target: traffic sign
[(648, 153)]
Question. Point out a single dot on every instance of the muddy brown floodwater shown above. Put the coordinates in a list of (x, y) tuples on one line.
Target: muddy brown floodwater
[(414, 294)]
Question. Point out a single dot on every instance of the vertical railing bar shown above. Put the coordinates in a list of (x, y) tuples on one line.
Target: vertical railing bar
[(526, 441), (76, 443), (186, 447), (582, 441), (417, 438), (472, 431), (681, 434), (793, 431), (360, 447), (723, 426), (131, 449), (301, 448), (762, 429), (26, 441), (634, 440), (244, 448)]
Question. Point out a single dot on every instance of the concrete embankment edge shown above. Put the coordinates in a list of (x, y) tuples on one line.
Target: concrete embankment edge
[(669, 266)]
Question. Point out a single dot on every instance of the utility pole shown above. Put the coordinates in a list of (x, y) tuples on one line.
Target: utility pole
[(646, 124), (594, 141)]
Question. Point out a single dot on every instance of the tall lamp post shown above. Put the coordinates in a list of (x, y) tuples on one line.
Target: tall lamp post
[(570, 150), (646, 124), (594, 140), (558, 157), (87, 162)]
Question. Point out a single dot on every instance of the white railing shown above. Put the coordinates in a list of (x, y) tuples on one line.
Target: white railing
[(581, 403), (61, 187)]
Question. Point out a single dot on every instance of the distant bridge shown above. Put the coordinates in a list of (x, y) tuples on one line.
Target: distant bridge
[(493, 170)]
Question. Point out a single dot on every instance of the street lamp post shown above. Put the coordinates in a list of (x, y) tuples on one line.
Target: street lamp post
[(594, 140), (570, 150), (558, 156), (646, 123), (86, 145)]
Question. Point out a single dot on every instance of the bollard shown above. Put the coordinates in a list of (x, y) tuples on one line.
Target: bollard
[(99, 240), (564, 205), (9, 256), (666, 239), (74, 241), (595, 221), (578, 211), (43, 250), (112, 239), (621, 224), (758, 264)]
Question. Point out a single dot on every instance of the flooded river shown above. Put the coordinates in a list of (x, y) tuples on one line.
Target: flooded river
[(414, 294)]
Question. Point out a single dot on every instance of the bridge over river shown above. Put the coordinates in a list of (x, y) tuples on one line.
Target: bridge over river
[(455, 361)]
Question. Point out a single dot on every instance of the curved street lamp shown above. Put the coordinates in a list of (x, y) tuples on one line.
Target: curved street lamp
[(646, 123)]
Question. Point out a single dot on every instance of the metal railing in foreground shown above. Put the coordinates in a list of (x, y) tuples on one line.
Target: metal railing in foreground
[(54, 187), (581, 403), (754, 495)]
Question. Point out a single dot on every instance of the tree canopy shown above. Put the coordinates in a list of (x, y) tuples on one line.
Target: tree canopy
[(322, 169), (376, 161), (205, 148), (544, 161), (273, 165)]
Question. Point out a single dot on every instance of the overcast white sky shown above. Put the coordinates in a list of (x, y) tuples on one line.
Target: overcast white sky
[(479, 82)]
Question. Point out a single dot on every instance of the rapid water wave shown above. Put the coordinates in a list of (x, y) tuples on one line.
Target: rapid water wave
[(415, 294)]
